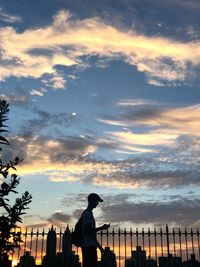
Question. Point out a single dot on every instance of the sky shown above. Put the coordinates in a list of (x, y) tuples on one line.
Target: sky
[(104, 97)]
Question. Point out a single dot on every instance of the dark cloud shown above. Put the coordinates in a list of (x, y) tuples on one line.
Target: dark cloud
[(152, 178), (145, 115), (174, 210), (37, 225), (180, 211), (40, 52), (35, 148), (77, 213), (15, 99), (169, 168), (46, 120), (59, 218)]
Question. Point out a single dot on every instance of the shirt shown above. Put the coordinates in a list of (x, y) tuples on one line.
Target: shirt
[(89, 238)]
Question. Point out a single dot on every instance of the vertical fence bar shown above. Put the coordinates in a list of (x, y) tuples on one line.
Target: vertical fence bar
[(161, 241), (107, 241), (174, 241), (42, 246), (19, 248), (186, 244), (180, 242), (191, 233), (131, 237), (149, 241), (60, 240), (125, 242), (143, 243), (31, 242), (25, 239), (155, 243), (119, 234), (168, 246), (36, 245), (14, 234), (113, 240), (101, 235), (198, 242)]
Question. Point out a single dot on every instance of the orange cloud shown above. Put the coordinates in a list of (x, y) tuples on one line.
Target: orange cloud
[(67, 40)]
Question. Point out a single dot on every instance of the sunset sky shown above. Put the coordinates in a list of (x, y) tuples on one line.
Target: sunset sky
[(104, 97)]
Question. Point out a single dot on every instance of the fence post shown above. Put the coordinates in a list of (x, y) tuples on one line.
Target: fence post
[(198, 242), (155, 244), (149, 240), (186, 243), (113, 239), (168, 250), (161, 241), (125, 242), (36, 245), (119, 244), (171, 246)]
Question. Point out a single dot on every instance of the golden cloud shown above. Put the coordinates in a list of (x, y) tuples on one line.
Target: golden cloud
[(170, 123), (67, 39)]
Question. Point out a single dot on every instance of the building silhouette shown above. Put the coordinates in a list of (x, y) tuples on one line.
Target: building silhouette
[(138, 259), (172, 261), (27, 260), (66, 258), (49, 260), (150, 262), (192, 262), (108, 258)]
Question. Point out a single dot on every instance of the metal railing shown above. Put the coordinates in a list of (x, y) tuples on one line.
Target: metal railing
[(157, 242)]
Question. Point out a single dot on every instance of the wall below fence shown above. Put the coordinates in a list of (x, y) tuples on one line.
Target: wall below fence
[(156, 243)]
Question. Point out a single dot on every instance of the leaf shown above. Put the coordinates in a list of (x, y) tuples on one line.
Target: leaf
[(3, 140)]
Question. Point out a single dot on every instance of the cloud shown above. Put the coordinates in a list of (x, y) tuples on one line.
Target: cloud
[(59, 219), (163, 120), (44, 120), (8, 18), (69, 40), (145, 142), (155, 82), (159, 158), (14, 99), (191, 5), (135, 102), (57, 81), (37, 225), (181, 211), (76, 159), (38, 92)]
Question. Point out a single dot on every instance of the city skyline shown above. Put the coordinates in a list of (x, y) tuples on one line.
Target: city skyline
[(56, 250), (104, 97)]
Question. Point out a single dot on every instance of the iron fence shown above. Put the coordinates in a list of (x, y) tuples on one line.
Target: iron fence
[(156, 242)]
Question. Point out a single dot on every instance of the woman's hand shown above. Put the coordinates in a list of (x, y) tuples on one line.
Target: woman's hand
[(105, 226)]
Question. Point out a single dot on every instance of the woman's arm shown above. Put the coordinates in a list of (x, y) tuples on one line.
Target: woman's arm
[(103, 227)]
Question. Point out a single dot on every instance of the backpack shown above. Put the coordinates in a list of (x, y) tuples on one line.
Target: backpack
[(77, 233)]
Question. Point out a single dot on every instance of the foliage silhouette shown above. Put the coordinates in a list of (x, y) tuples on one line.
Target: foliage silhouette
[(10, 237)]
